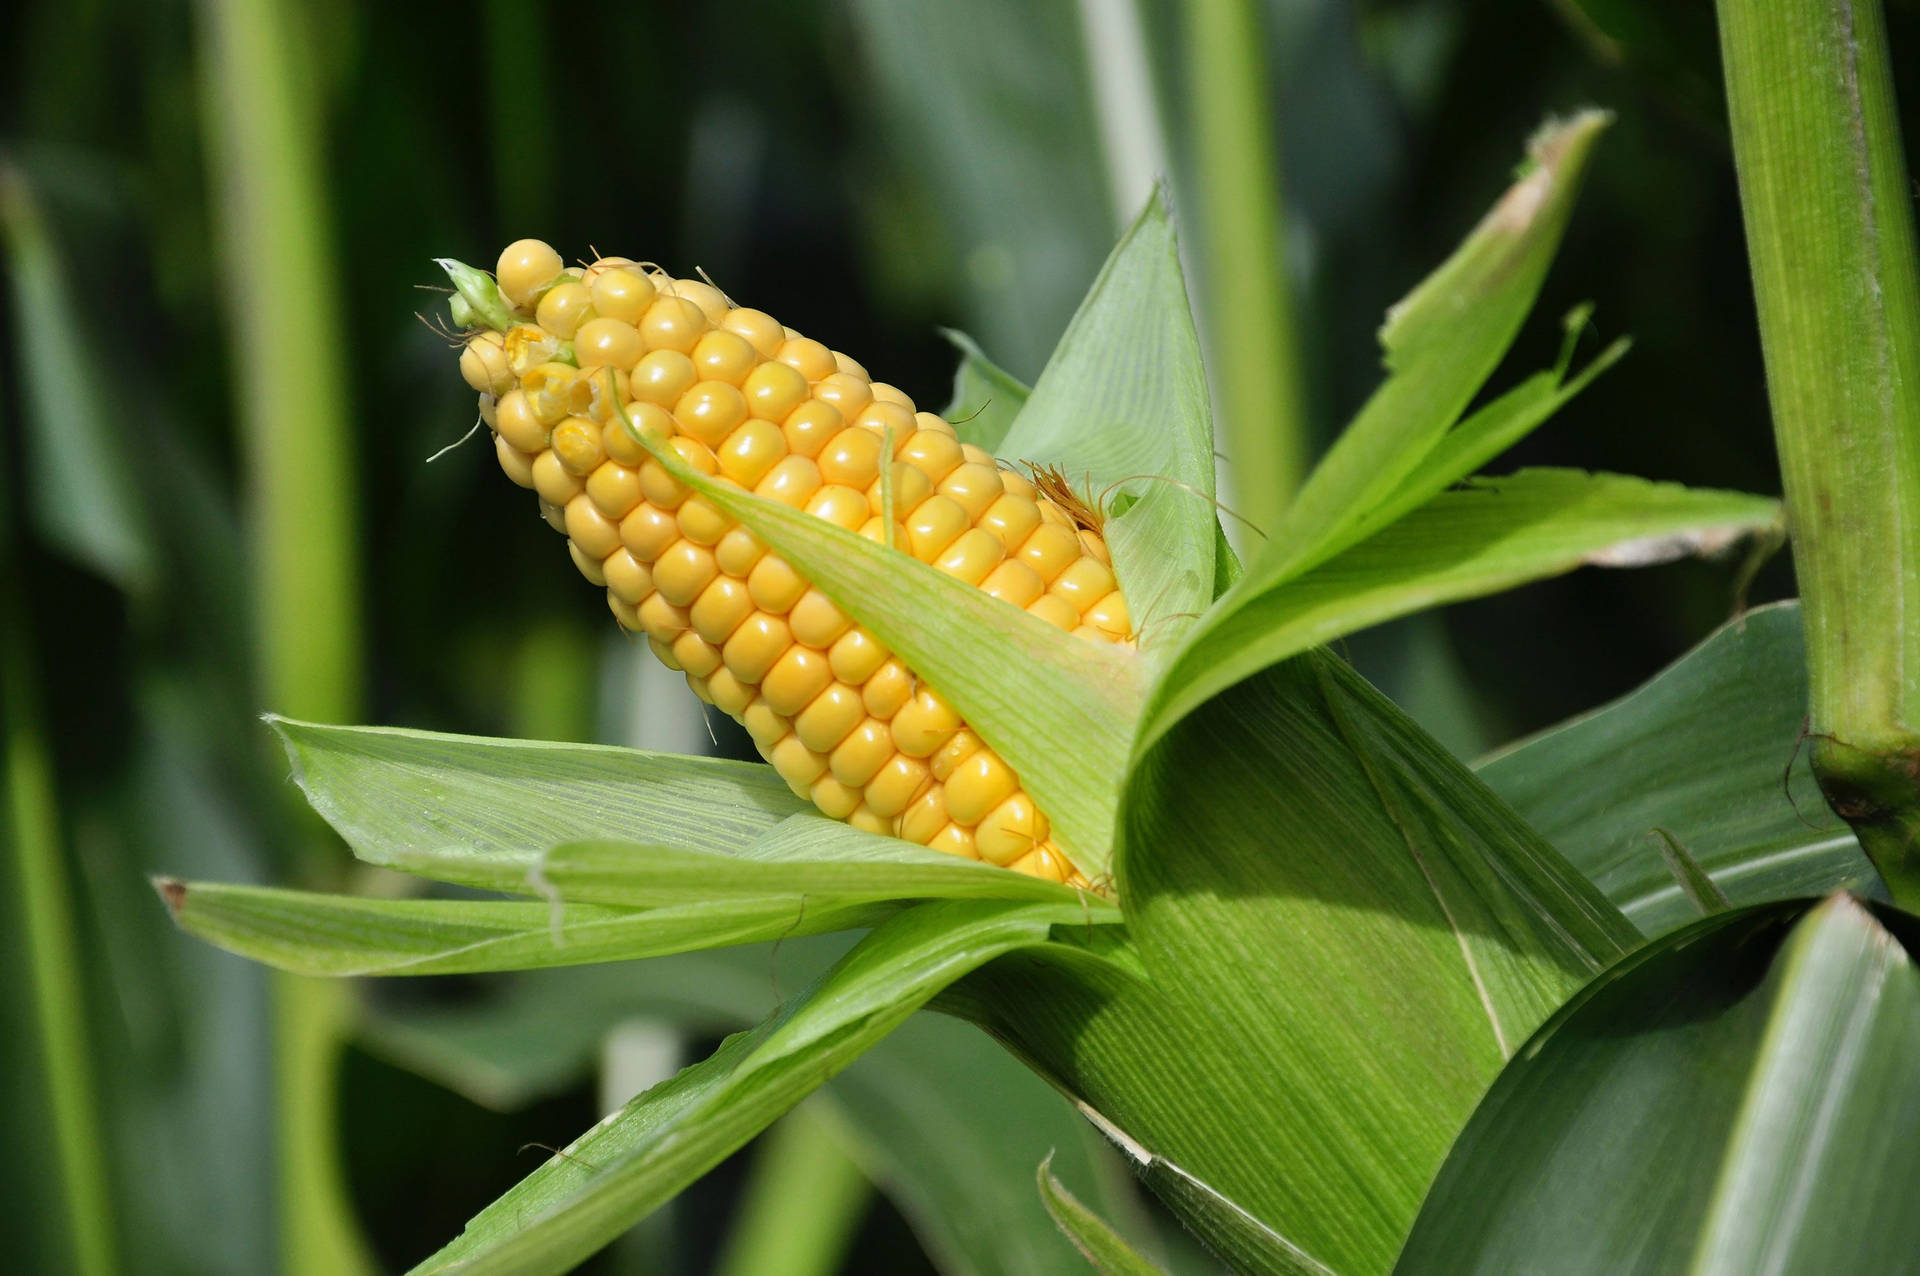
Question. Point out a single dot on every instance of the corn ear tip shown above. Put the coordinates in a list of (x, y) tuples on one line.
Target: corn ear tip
[(481, 295)]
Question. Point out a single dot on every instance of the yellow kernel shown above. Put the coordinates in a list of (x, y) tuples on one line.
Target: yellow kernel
[(867, 820), (606, 388), (1012, 518), (1045, 862), (924, 817), (975, 454), (1092, 542), (485, 402), (1052, 513), (875, 530), (672, 323), (749, 452), (856, 656), (899, 782), (980, 783), (829, 717), (910, 487), (1056, 611), (552, 480), (934, 454), (647, 530), (835, 800), (703, 522), (816, 621), (1010, 830), (933, 421), (576, 441), (710, 410), (810, 426), (923, 724), (755, 645), (795, 678), (849, 366), (483, 363), (842, 506), (792, 481), (556, 515), (712, 302), (695, 655), (615, 489), (762, 330), (649, 420), (607, 343), (861, 752), (724, 356), (954, 840), (623, 612), (564, 308), (847, 393), (763, 724), (807, 357), (525, 267), (1014, 582), (1017, 484), (738, 551), (661, 488), (1084, 582), (1109, 616), (773, 391), (960, 746), (975, 486), (627, 576), (600, 266), (683, 571), (517, 464), (798, 765), (662, 377), (595, 533), (720, 608), (515, 422), (590, 568), (882, 417), (661, 619), (884, 393), (694, 453), (528, 346), (890, 687), (1050, 550), (775, 585), (730, 695), (555, 392), (621, 294), (935, 524), (971, 557), (852, 458), (698, 685)]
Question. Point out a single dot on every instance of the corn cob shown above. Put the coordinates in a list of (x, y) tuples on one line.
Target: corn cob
[(576, 359)]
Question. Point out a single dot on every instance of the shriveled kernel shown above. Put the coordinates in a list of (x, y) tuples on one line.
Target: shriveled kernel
[(925, 816), (972, 556), (798, 765), (890, 688), (761, 329), (792, 481), (552, 480), (1012, 518), (607, 391), (827, 718), (975, 486), (756, 644), (661, 377), (526, 266), (724, 356), (729, 695), (750, 451), (528, 346), (816, 621), (514, 420), (862, 752), (647, 530), (1084, 582), (855, 656), (627, 576), (555, 392), (795, 678), (576, 441), (848, 393), (607, 343), (661, 619), (518, 465), (710, 411), (936, 524), (774, 391), (960, 746), (483, 363), (672, 323), (807, 357), (934, 454), (720, 608), (1014, 582), (590, 568), (595, 533), (775, 585), (738, 551), (764, 725), (712, 302), (564, 308), (615, 488), (884, 393), (1011, 829), (842, 506), (835, 800), (1056, 611), (621, 294), (954, 840), (1050, 550), (980, 783), (852, 458), (900, 781), (923, 724)]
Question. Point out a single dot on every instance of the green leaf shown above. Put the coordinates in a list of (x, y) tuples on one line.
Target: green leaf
[(1344, 907), (986, 397), (319, 934), (1705, 750), (1762, 1060), (625, 1166), (1488, 535), (1091, 1234), (802, 1205)]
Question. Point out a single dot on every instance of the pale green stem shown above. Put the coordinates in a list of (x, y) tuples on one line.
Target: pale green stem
[(265, 146), (1830, 230), (46, 927), (1246, 303), (803, 1203)]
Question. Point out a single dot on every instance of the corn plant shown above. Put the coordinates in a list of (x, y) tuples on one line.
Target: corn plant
[(1343, 1003)]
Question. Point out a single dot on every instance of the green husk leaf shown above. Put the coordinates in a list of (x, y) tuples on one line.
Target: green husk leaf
[(1710, 750), (1092, 1235), (986, 397)]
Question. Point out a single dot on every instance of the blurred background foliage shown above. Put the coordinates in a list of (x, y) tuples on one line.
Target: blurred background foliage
[(871, 171)]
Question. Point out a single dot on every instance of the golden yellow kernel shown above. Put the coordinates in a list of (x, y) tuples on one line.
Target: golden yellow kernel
[(698, 685), (710, 410), (682, 571), (775, 585), (555, 392), (1042, 863), (607, 343), (980, 783), (827, 719), (588, 567), (595, 533), (661, 377), (1056, 611), (601, 265), (730, 695), (1109, 616), (627, 576), (923, 724), (724, 356), (661, 488), (890, 688), (774, 391), (672, 323), (1014, 582), (755, 645), (975, 486), (483, 363), (875, 530), (1052, 513), (712, 302), (738, 551), (925, 816), (1017, 484), (576, 441), (855, 656), (525, 267), (842, 506), (849, 394), (517, 464), (720, 608), (816, 621), (791, 482), (649, 420), (620, 294), (849, 366), (835, 800), (762, 330), (750, 451), (563, 308), (1012, 518), (1012, 829), (552, 480), (807, 357), (623, 612), (882, 417), (972, 556), (763, 724), (960, 746), (935, 524), (851, 458), (698, 657), (884, 393), (615, 488), (954, 840), (647, 530), (1084, 582), (1095, 545), (910, 487), (703, 522), (898, 783), (1051, 549), (796, 677), (975, 454), (934, 454), (862, 752), (867, 820), (798, 765), (517, 424), (662, 621)]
